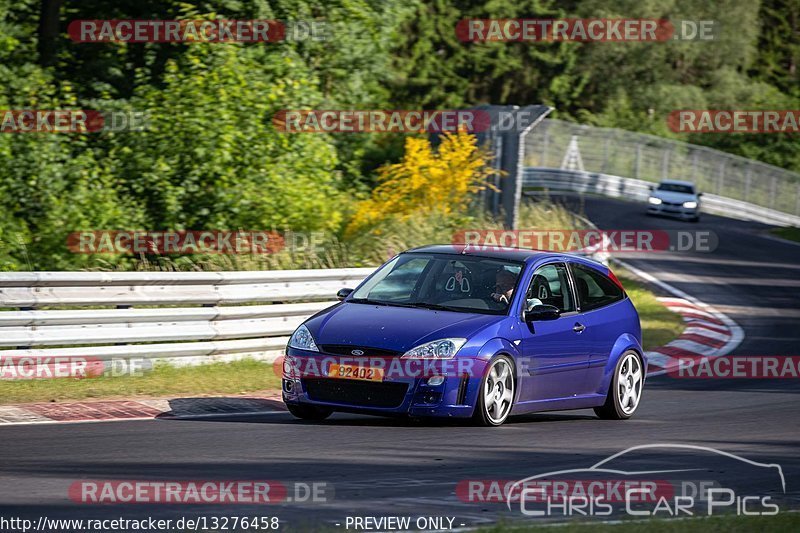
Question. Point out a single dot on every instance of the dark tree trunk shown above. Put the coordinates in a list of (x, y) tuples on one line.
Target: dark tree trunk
[(49, 25)]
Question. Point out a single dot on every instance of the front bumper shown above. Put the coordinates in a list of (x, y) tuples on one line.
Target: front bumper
[(674, 210), (406, 389)]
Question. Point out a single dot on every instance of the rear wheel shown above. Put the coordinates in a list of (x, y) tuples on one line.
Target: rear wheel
[(625, 390), (496, 395), (308, 412)]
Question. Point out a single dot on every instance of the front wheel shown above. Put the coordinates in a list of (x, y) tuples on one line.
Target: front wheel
[(625, 390), (308, 412), (497, 393)]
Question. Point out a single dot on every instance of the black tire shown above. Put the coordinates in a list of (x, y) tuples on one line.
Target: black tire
[(612, 408), (308, 412), (481, 416)]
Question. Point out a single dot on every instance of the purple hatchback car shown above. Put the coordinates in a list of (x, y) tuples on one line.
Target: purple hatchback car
[(446, 331)]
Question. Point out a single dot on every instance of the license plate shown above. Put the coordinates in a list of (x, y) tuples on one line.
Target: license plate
[(363, 373)]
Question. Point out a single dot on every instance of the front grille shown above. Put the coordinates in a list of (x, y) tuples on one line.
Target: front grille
[(359, 393), (347, 349)]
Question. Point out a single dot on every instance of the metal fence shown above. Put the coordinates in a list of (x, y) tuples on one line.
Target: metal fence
[(553, 179), (192, 316), (650, 158)]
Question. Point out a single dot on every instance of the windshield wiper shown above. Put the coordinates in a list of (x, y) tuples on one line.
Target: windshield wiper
[(377, 302), (438, 307)]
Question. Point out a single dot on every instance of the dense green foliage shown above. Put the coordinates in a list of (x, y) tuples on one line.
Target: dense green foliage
[(211, 158)]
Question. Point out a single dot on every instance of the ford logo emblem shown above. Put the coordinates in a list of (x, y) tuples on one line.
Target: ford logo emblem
[(357, 352)]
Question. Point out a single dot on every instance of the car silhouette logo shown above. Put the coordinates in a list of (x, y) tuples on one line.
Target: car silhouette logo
[(357, 352)]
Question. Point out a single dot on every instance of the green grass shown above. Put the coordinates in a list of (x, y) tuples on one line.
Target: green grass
[(791, 234), (659, 324), (239, 377), (788, 522)]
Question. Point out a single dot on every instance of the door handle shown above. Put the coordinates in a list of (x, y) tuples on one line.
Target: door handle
[(578, 327)]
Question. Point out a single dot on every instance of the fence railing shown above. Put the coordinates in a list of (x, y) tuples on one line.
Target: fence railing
[(649, 158), (552, 179), (216, 315)]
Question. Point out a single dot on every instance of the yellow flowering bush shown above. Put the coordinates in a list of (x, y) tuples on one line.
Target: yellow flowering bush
[(426, 180)]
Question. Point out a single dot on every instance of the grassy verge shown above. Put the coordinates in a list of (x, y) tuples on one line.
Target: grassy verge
[(790, 234), (783, 522), (239, 377), (659, 324)]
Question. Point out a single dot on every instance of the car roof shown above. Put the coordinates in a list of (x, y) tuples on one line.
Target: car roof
[(678, 182), (496, 252)]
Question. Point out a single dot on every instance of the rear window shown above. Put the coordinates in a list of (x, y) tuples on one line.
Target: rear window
[(594, 289)]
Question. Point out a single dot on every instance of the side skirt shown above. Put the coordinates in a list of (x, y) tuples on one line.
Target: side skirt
[(559, 404)]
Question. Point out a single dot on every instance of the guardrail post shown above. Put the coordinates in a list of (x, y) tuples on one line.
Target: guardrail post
[(25, 309), (637, 161)]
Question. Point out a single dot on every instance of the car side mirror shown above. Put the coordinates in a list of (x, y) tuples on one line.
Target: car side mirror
[(542, 312), (343, 293), (652, 188), (699, 194)]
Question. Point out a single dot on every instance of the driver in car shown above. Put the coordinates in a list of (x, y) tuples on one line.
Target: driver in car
[(504, 286)]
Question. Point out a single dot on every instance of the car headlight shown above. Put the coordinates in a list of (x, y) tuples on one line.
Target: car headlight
[(302, 339), (655, 201), (689, 205), (440, 349)]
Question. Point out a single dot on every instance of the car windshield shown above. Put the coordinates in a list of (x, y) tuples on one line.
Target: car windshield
[(676, 187), (443, 282)]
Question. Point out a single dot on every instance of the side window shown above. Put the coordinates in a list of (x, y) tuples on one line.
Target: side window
[(549, 286), (594, 289)]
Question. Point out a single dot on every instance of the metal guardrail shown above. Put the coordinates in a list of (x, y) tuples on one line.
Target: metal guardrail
[(618, 187), (649, 158), (215, 327)]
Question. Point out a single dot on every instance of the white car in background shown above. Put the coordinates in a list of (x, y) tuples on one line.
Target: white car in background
[(675, 198)]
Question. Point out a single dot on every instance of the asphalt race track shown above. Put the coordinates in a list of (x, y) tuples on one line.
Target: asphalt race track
[(380, 467)]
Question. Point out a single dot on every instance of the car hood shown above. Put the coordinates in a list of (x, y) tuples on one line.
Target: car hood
[(393, 328), (674, 197)]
